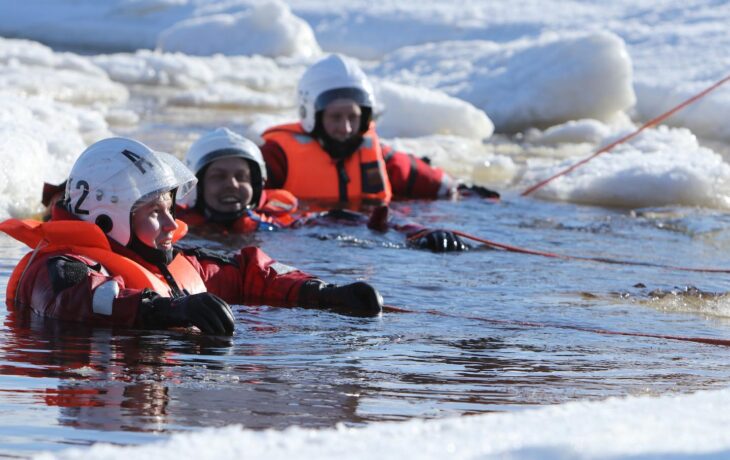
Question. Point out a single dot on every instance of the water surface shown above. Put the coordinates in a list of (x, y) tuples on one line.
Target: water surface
[(63, 384)]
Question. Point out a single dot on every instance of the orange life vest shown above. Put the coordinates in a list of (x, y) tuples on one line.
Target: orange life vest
[(87, 239), (313, 174), (280, 205)]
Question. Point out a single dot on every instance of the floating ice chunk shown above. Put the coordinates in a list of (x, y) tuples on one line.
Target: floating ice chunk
[(674, 426), (267, 29), (527, 83), (707, 117), (30, 68), (663, 166), (413, 112), (39, 141), (574, 131)]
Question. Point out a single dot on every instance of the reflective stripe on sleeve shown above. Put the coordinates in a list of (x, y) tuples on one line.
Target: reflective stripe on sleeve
[(282, 269), (104, 296)]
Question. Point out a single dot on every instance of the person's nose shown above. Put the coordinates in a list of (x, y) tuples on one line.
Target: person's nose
[(231, 181), (168, 222), (347, 126)]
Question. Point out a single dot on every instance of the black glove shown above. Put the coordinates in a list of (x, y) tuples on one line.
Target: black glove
[(378, 220), (345, 215), (356, 299), (483, 192), (206, 311), (437, 241)]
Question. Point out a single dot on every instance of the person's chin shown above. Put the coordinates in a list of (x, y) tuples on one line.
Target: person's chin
[(229, 207)]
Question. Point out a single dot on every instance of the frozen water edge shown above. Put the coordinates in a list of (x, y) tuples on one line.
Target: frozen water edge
[(682, 426)]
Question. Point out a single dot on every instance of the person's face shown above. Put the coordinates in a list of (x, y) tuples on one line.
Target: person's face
[(154, 224), (227, 185), (341, 119)]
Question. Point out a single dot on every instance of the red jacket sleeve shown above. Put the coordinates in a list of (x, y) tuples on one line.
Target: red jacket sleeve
[(411, 177), (49, 292), (276, 164), (250, 277)]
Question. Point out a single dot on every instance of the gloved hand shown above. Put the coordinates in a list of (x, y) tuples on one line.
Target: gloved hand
[(344, 215), (355, 299), (483, 192), (437, 241), (378, 220), (206, 311)]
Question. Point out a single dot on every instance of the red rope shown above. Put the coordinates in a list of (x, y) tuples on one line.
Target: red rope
[(605, 260), (705, 340), (648, 124)]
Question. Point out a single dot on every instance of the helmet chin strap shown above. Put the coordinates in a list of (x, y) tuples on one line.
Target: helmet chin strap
[(157, 257), (338, 149), (223, 218)]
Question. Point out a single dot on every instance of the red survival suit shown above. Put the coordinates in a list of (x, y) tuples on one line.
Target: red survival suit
[(296, 161), (247, 277), (276, 210)]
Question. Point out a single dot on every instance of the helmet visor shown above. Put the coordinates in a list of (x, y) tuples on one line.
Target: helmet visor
[(177, 175), (171, 174), (360, 97), (145, 176), (222, 153)]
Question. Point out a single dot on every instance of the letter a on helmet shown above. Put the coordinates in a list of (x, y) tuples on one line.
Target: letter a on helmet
[(334, 77), (113, 175)]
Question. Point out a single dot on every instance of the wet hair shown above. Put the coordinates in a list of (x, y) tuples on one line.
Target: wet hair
[(150, 197)]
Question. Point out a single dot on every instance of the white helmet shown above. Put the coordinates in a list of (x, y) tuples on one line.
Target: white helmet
[(114, 174), (224, 143), (334, 77)]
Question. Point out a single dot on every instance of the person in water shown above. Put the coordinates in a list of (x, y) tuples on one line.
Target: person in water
[(230, 191), (230, 194), (333, 153), (108, 256)]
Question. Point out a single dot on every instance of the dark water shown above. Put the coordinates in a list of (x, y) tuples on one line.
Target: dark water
[(62, 384)]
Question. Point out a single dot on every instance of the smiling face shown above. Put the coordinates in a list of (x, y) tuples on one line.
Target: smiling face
[(153, 222), (341, 119), (227, 185)]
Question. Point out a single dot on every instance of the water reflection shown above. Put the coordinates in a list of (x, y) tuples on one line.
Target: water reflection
[(102, 379), (107, 380)]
